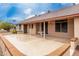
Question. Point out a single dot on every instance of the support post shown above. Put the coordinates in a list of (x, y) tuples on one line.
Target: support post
[(73, 43), (44, 31), (22, 28), (30, 30), (40, 30)]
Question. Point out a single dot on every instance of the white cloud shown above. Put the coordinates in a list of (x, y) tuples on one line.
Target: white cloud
[(42, 12), (76, 3), (28, 11), (16, 18), (66, 4), (30, 16), (63, 3)]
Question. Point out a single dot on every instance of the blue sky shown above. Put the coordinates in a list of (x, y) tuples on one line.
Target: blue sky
[(17, 11)]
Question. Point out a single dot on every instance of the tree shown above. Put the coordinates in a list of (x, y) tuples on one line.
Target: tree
[(6, 26)]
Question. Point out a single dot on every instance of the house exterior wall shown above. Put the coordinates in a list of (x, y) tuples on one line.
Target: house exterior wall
[(76, 27), (22, 27), (31, 30), (18, 27), (69, 34), (51, 29)]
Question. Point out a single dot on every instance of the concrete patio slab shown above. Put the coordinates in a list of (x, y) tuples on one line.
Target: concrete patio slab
[(33, 46)]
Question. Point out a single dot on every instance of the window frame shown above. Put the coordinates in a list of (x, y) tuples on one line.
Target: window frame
[(60, 22)]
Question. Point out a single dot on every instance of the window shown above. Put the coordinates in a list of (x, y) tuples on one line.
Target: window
[(19, 26), (61, 25), (32, 25)]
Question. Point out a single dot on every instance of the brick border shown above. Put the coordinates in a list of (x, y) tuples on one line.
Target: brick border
[(11, 49), (60, 51)]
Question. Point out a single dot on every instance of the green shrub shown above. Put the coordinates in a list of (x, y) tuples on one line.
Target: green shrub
[(14, 31)]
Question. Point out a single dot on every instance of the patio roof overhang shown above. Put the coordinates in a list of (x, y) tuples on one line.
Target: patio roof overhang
[(68, 12), (51, 19)]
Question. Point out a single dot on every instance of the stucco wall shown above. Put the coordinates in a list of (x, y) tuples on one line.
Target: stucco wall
[(76, 27), (69, 34), (22, 27), (18, 27), (31, 30), (51, 29)]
